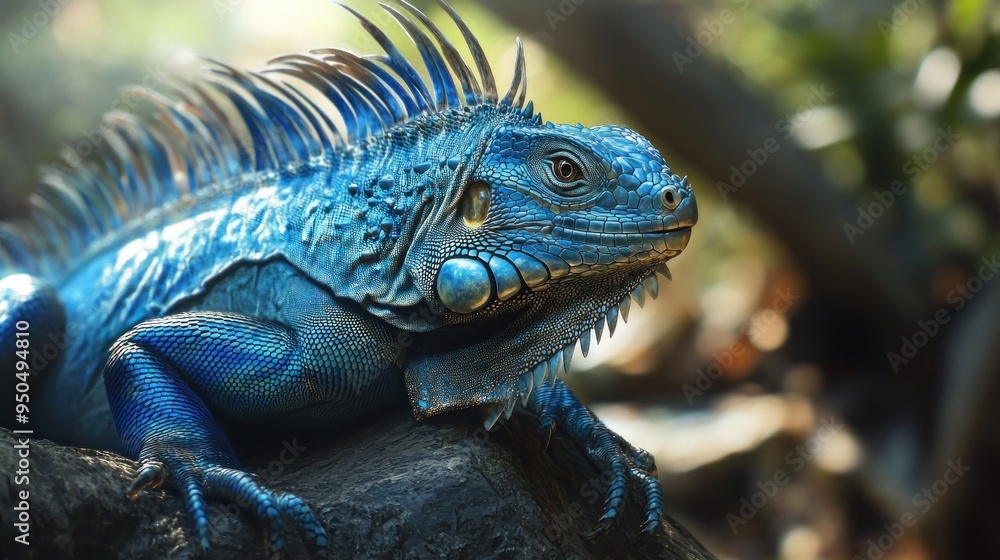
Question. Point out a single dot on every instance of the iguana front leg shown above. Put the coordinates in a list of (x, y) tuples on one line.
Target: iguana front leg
[(557, 406), (169, 378)]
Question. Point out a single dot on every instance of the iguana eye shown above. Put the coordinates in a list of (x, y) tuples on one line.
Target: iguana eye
[(566, 170), (568, 174)]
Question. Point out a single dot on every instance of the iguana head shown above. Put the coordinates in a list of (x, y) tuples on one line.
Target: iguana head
[(550, 205), (546, 238)]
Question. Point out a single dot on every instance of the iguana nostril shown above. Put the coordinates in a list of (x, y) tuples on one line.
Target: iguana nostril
[(669, 198)]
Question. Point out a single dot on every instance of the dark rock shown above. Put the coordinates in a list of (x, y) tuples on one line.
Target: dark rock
[(443, 488)]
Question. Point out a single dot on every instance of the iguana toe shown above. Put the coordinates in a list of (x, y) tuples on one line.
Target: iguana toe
[(653, 498), (279, 513), (614, 501)]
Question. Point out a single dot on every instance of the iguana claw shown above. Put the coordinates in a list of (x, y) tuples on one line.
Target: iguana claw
[(150, 475), (604, 524), (548, 428)]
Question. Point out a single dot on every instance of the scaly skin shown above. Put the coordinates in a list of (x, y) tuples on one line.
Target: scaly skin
[(446, 248)]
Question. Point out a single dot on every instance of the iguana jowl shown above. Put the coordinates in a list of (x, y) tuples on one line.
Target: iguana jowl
[(333, 236)]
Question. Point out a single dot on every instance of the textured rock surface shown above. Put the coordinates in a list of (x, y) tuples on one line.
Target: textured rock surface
[(398, 488)]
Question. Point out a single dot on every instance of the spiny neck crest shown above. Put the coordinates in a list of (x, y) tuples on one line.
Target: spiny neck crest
[(233, 124)]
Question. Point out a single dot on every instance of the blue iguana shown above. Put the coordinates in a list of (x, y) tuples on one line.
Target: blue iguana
[(315, 243)]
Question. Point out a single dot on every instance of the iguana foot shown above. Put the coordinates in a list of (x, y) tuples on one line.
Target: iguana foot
[(620, 461), (279, 512)]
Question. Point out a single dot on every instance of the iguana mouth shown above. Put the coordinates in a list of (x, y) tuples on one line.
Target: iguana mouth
[(662, 237), (677, 239)]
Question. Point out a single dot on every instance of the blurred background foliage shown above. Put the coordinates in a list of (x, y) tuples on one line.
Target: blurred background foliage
[(762, 378)]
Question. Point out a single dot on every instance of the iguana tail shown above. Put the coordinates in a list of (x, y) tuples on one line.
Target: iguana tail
[(32, 339)]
